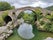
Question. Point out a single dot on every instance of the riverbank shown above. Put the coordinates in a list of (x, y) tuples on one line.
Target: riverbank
[(38, 35)]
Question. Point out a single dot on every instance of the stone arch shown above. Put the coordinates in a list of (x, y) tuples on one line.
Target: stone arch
[(7, 19), (12, 14), (30, 10), (17, 11)]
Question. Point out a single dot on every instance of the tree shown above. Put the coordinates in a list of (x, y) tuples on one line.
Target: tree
[(49, 8), (5, 6), (1, 21)]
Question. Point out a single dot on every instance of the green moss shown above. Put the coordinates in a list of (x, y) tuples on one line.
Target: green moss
[(29, 18), (2, 17), (20, 15), (38, 11), (5, 13), (1, 21)]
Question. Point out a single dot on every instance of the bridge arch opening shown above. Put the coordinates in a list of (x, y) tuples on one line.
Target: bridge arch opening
[(29, 17), (26, 12), (7, 19)]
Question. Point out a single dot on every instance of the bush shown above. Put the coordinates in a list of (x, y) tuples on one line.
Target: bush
[(1, 21), (49, 17), (51, 29), (29, 18), (5, 13), (45, 23), (20, 15), (5, 6), (38, 13), (48, 25)]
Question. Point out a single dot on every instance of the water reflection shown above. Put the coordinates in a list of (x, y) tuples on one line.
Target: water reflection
[(28, 11), (25, 31)]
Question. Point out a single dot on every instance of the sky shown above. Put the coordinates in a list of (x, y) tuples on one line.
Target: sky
[(33, 3)]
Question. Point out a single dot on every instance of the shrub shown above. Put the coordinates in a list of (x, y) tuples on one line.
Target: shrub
[(5, 13), (1, 21), (20, 15), (29, 18), (5, 6), (38, 13), (51, 29)]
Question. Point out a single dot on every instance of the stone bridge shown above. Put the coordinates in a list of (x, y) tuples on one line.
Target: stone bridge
[(15, 12)]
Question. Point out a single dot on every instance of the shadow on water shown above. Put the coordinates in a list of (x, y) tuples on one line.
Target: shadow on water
[(35, 31)]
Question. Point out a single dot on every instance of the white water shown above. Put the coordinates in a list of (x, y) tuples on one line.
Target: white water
[(25, 31)]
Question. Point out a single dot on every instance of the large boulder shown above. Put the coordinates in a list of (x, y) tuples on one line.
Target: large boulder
[(18, 22), (3, 29), (2, 37), (10, 32), (5, 32), (10, 25)]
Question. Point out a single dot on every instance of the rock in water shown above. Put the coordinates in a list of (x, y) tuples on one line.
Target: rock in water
[(25, 31), (48, 38)]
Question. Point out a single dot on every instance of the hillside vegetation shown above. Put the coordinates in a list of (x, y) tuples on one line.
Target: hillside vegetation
[(50, 8)]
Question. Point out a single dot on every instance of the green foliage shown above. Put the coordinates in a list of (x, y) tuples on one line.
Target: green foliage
[(50, 17), (2, 17), (20, 15), (45, 22), (1, 21), (5, 13), (12, 7), (38, 13), (50, 8), (39, 35), (42, 22), (51, 29), (5, 6), (48, 27), (28, 17), (48, 24)]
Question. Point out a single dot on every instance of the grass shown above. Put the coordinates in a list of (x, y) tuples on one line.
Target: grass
[(15, 36), (38, 35), (2, 17), (5, 13), (1, 21)]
